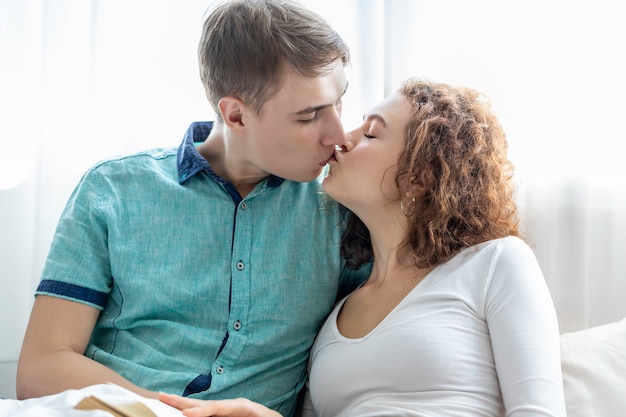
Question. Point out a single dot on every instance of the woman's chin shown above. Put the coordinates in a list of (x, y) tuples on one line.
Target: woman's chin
[(332, 192), (327, 185), (325, 182)]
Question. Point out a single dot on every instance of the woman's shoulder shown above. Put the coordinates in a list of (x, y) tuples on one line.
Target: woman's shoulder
[(504, 245), (509, 250)]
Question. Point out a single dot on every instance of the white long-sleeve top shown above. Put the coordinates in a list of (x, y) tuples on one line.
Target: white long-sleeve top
[(477, 337)]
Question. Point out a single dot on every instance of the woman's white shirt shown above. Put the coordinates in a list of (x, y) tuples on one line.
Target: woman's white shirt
[(477, 337)]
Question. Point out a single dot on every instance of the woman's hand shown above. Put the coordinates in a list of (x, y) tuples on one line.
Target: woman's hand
[(239, 407)]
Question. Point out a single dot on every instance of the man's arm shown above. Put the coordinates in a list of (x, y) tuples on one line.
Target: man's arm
[(52, 356)]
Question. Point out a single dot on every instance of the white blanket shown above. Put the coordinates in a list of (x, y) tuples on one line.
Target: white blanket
[(62, 404)]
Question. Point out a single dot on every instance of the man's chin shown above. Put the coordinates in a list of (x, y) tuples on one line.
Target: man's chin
[(306, 177)]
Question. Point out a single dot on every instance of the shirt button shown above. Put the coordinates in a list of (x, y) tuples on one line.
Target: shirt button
[(240, 265), (220, 370), (244, 205), (237, 325)]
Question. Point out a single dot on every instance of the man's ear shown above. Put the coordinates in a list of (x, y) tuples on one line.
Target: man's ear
[(231, 110)]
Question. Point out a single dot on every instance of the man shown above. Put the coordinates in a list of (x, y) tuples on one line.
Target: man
[(207, 270)]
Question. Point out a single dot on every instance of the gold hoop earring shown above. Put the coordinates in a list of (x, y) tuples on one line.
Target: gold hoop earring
[(411, 208)]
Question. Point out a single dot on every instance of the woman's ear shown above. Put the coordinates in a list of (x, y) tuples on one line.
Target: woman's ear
[(231, 110), (413, 188)]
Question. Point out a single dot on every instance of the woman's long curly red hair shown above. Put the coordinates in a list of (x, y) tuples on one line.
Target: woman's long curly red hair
[(456, 162)]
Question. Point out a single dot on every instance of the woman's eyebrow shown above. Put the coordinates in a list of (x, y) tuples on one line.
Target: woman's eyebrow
[(375, 116)]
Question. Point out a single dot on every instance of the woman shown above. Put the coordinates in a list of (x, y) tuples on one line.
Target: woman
[(456, 318)]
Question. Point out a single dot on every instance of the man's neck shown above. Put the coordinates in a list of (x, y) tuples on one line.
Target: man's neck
[(229, 161)]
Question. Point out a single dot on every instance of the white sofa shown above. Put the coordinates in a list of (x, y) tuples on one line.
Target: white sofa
[(594, 371)]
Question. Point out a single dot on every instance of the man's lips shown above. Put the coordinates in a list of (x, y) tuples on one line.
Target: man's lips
[(334, 157), (331, 158)]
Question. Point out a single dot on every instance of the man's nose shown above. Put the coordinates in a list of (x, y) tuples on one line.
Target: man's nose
[(333, 134)]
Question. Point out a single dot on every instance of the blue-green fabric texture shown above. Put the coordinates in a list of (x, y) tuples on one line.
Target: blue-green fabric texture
[(202, 293)]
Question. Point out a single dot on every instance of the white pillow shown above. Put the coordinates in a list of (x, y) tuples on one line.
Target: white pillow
[(594, 371)]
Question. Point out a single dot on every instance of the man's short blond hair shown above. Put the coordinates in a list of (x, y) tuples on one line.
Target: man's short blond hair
[(247, 45)]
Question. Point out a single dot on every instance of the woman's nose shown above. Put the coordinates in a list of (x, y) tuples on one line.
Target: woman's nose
[(351, 140)]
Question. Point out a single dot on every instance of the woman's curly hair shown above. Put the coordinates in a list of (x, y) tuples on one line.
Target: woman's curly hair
[(456, 162)]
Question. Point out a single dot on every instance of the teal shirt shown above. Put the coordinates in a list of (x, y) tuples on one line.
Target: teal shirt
[(202, 293)]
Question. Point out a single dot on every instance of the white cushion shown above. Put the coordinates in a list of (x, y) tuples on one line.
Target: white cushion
[(594, 371)]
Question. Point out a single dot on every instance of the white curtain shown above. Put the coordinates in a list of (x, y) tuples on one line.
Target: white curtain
[(83, 80)]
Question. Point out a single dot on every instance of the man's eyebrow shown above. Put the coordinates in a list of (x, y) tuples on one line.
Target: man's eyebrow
[(375, 116), (314, 109)]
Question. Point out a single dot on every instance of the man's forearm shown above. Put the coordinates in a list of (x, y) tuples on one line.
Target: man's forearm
[(59, 371)]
